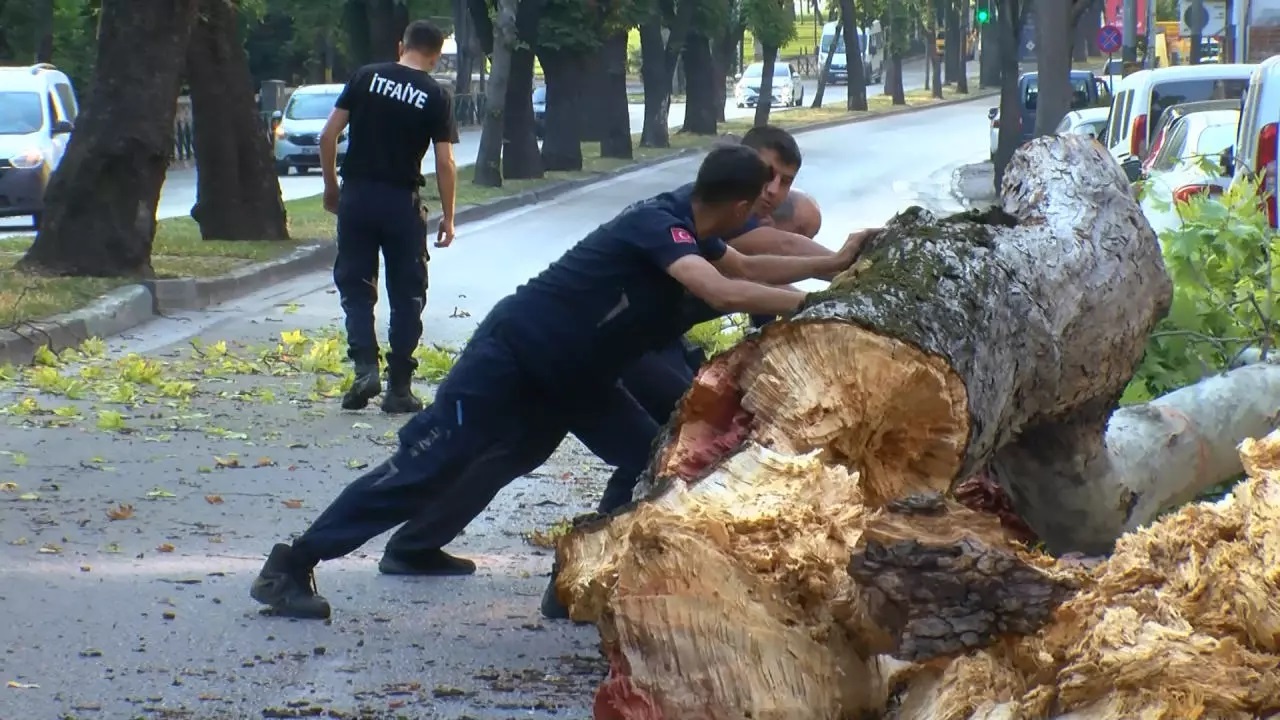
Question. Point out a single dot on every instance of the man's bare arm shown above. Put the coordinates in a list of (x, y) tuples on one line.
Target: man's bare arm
[(728, 295), (772, 241), (333, 128), (446, 178)]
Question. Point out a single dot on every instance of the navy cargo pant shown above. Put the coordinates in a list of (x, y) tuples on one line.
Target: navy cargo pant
[(377, 218), (487, 426)]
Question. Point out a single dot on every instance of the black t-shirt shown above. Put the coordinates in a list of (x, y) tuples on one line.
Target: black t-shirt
[(396, 113), (608, 299)]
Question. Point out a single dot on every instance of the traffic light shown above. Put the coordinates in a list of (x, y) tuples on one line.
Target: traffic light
[(982, 15)]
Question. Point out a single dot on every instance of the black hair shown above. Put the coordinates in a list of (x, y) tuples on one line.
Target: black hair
[(421, 36), (771, 137), (731, 174)]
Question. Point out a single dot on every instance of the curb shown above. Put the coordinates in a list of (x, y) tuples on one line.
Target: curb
[(132, 305)]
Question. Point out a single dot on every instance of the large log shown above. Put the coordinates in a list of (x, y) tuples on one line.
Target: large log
[(725, 592)]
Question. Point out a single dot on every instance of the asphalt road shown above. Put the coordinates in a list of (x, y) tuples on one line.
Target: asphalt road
[(179, 191), (129, 542)]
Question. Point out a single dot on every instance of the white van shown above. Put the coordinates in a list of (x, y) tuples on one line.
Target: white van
[(1256, 147), (871, 40), (297, 130), (38, 110), (1139, 99)]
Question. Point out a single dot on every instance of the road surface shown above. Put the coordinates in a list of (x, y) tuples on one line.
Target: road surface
[(130, 540), (179, 191)]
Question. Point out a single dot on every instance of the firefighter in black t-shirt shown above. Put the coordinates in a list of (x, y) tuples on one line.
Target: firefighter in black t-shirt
[(396, 112)]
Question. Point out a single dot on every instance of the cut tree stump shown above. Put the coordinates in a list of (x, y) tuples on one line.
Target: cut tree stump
[(725, 593)]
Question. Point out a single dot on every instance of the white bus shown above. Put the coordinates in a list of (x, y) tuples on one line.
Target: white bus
[(871, 40)]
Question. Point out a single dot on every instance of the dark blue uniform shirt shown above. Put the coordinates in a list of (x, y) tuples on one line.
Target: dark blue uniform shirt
[(609, 299)]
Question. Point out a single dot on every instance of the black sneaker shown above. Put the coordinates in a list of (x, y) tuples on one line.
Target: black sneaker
[(364, 388), (288, 588), (432, 562), (399, 398)]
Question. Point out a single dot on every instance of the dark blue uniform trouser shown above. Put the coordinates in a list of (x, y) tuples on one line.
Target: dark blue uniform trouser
[(378, 218), (486, 427)]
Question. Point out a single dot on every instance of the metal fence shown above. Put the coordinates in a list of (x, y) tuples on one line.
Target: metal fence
[(468, 110)]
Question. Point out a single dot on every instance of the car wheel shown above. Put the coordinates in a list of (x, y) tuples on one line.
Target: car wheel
[(282, 169), (35, 221), (301, 170)]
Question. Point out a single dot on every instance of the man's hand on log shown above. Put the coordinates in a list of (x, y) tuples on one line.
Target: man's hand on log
[(853, 246)]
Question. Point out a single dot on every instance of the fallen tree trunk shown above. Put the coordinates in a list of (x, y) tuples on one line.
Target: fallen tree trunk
[(917, 365)]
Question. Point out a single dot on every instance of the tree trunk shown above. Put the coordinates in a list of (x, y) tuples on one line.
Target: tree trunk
[(464, 101), (1010, 18), (562, 142), (593, 95), (657, 85), (1053, 62), (935, 64), (237, 191), (42, 17), (953, 52), (701, 98), (100, 207), (785, 457), (826, 68), (764, 103), (488, 171), (521, 157), (722, 54), (1090, 23), (962, 77), (856, 98), (989, 59), (893, 81), (616, 141), (387, 20)]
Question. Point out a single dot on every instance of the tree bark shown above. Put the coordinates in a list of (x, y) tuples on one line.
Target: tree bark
[(826, 68), (100, 207), (701, 97), (488, 172), (464, 100), (1053, 62), (954, 49), (893, 84), (616, 141), (237, 191), (989, 58), (722, 54), (521, 157), (387, 20), (856, 98), (785, 458), (1010, 18), (935, 64), (593, 95), (42, 17), (765, 101), (962, 77), (564, 73), (657, 85)]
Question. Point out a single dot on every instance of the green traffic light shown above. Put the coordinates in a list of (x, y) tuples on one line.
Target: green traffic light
[(983, 16)]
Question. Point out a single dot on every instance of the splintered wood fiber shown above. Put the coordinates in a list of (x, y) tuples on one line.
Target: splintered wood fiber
[(1182, 622)]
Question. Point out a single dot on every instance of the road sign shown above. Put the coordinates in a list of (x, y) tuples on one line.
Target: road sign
[(1110, 38)]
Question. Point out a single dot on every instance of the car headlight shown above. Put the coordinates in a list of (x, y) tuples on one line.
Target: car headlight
[(279, 131), (27, 160)]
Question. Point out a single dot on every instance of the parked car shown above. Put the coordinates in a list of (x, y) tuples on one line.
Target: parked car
[(540, 111), (1255, 151), (38, 110), (297, 130), (1141, 98), (1089, 121), (1087, 91), (1187, 164), (787, 86), (1177, 112)]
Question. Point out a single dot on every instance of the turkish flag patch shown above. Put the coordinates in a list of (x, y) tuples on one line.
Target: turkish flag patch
[(681, 235)]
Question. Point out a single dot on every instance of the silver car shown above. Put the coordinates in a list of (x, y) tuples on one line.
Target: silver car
[(297, 129)]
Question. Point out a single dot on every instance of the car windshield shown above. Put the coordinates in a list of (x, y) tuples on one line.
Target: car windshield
[(826, 42), (1215, 139), (20, 113), (311, 107), (1167, 94), (779, 71), (1080, 87)]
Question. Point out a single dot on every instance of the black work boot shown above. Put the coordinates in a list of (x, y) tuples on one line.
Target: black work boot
[(288, 587), (399, 397), (364, 388), (428, 562), (552, 608)]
